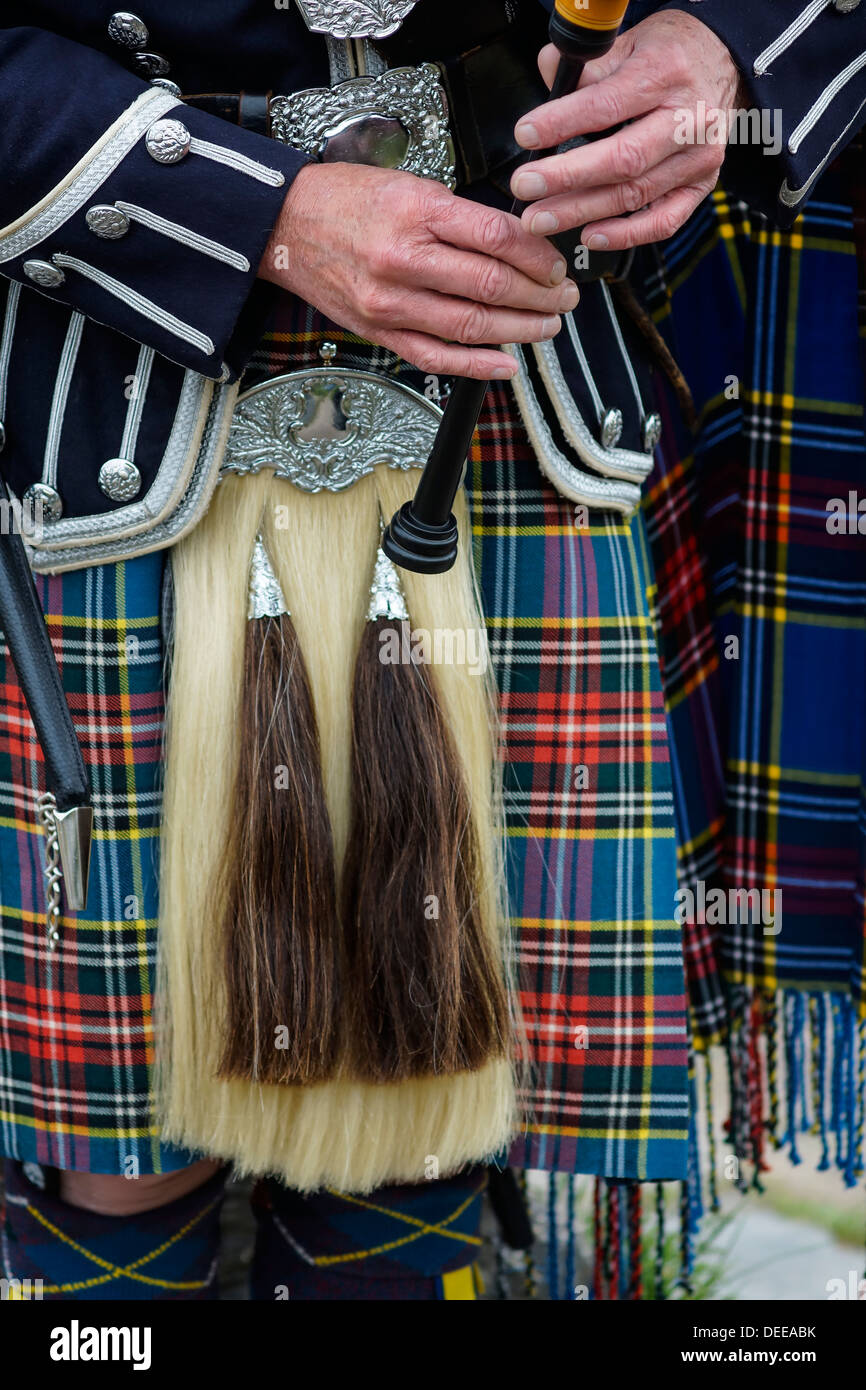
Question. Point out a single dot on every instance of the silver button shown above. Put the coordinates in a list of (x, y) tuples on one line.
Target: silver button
[(107, 221), (150, 64), (128, 29), (652, 431), (120, 480), (47, 499), (167, 83), (44, 273), (846, 6), (167, 141), (611, 428)]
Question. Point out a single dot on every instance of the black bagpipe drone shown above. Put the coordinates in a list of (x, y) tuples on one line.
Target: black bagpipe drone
[(422, 535)]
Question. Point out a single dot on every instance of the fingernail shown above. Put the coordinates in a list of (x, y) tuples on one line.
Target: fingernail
[(502, 373), (557, 275), (543, 222), (550, 327), (526, 134), (529, 186), (569, 295), (597, 242)]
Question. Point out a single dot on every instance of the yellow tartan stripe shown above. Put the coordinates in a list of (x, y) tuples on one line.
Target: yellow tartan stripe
[(459, 1284), (423, 1229), (76, 620), (610, 924), (122, 1271), (19, 914), (30, 827), (82, 1131), (569, 1131), (557, 833), (773, 772)]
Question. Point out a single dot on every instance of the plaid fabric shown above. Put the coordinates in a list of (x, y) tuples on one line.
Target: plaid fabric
[(589, 803), (68, 1253), (76, 1036), (762, 607), (410, 1243), (589, 818)]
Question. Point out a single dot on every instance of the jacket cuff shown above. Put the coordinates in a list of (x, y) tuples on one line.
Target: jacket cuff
[(158, 231), (803, 66)]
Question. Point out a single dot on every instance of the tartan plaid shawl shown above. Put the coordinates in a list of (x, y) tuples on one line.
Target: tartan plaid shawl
[(762, 612), (589, 818)]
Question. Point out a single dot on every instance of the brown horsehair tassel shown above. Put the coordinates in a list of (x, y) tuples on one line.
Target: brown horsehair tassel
[(428, 995), (281, 937)]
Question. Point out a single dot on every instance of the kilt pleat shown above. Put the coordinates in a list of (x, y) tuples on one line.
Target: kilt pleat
[(589, 819)]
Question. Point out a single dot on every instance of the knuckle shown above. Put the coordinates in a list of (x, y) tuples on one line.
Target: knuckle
[(633, 195), (494, 232), (607, 106), (493, 281), (473, 324), (427, 359), (666, 222), (677, 61), (630, 160), (373, 302)]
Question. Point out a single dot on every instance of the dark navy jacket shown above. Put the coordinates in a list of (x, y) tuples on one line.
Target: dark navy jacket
[(132, 306)]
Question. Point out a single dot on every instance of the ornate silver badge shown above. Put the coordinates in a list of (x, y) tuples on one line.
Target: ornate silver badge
[(324, 429), (355, 19), (397, 120)]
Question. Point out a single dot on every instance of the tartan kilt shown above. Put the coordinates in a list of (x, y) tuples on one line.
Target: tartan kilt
[(763, 603), (589, 813)]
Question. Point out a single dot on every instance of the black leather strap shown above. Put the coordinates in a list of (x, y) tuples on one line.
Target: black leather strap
[(23, 623), (248, 109)]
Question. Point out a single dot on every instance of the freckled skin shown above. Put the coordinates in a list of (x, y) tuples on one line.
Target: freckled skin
[(641, 176)]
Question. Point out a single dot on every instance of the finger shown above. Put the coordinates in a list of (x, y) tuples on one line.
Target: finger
[(450, 271), (569, 210), (628, 154), (632, 89), (449, 359), (655, 223), (473, 227), (599, 68), (465, 321)]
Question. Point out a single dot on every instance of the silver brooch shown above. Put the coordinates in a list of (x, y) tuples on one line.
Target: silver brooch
[(355, 19), (324, 429), (396, 120)]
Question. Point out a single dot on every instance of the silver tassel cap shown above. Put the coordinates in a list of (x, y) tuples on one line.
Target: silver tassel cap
[(266, 598), (386, 592)]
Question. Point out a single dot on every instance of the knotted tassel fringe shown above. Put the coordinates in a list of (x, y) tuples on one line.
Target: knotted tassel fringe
[(281, 940), (428, 992)]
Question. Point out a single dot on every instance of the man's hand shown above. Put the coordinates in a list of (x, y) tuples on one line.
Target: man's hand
[(665, 65), (403, 262)]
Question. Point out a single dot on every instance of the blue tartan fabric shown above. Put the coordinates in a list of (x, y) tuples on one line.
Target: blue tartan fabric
[(588, 794), (412, 1243), (64, 1253), (762, 590), (76, 1023), (589, 811)]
